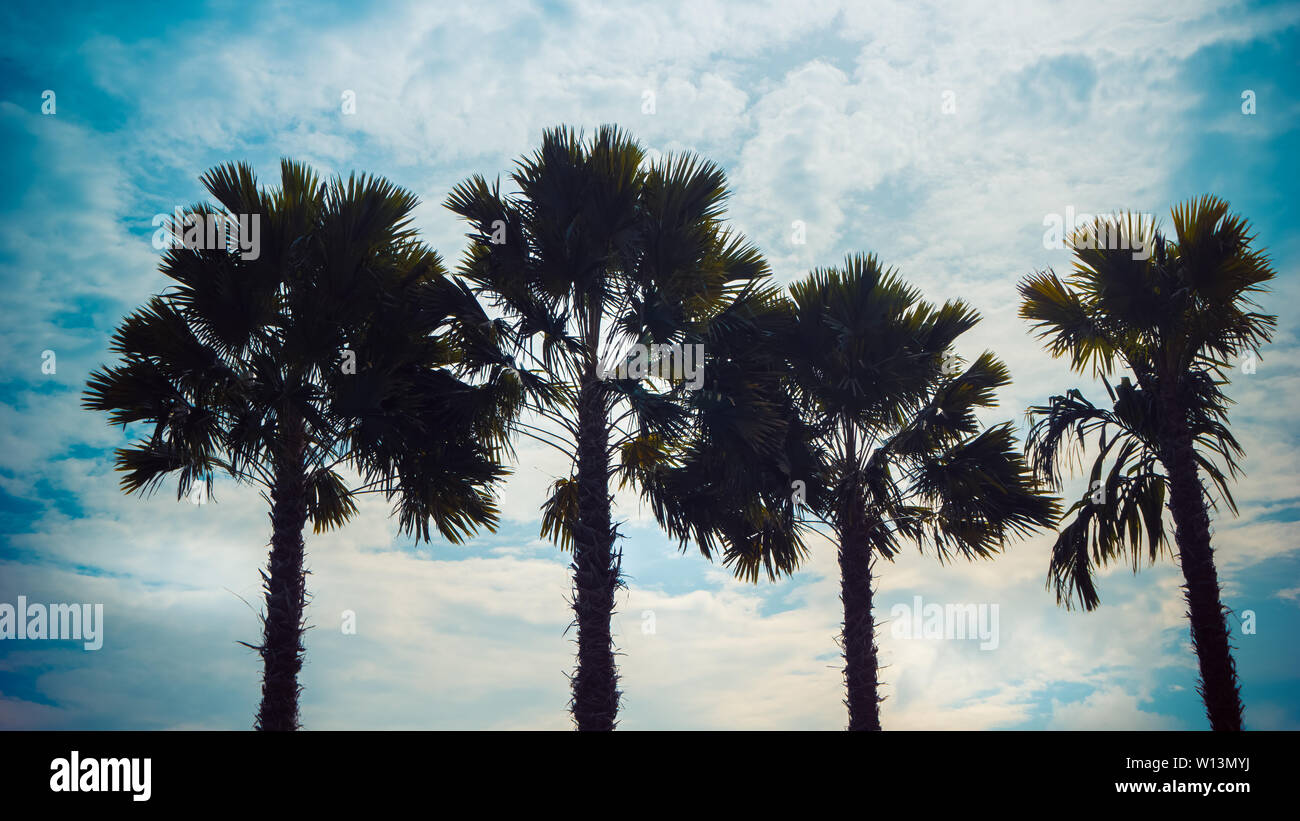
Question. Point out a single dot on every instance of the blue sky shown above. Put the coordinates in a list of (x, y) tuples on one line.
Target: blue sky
[(826, 113)]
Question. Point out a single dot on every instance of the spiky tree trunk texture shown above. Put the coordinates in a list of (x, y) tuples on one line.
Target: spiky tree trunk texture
[(286, 589), (859, 634), (1219, 686), (595, 569)]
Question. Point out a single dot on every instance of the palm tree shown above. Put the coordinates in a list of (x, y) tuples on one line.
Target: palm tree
[(339, 344), (874, 375), (600, 260), (1174, 316)]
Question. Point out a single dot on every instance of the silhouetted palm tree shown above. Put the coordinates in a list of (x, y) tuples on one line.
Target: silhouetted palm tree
[(874, 374), (1175, 320), (597, 252), (341, 344)]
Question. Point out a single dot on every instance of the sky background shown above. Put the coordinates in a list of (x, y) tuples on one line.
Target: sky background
[(824, 112)]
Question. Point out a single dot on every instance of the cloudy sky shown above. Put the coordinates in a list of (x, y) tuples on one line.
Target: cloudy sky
[(938, 135)]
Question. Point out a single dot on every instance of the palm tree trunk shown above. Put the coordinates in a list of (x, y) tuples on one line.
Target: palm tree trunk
[(859, 633), (595, 569), (286, 591), (1219, 686)]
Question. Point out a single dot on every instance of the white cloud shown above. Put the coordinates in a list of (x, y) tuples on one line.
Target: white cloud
[(1109, 709)]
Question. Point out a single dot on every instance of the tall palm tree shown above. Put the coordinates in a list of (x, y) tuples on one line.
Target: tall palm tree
[(338, 360), (875, 376), (597, 253), (1174, 317)]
